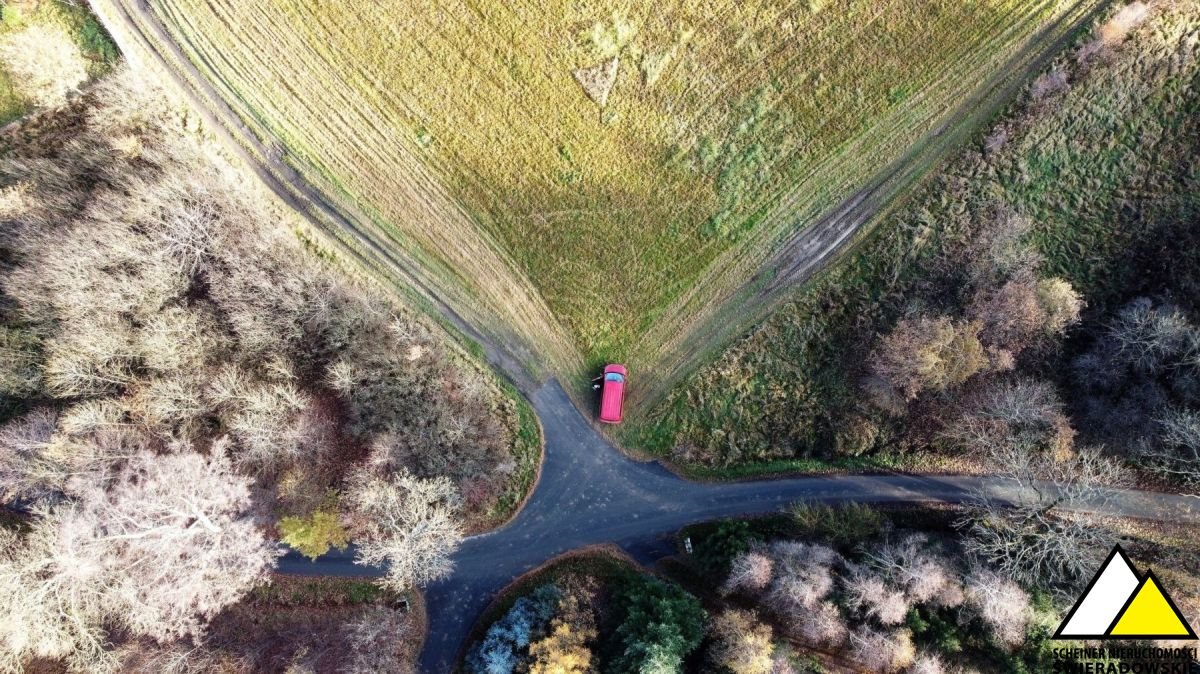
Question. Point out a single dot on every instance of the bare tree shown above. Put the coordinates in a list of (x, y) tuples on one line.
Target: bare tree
[(1001, 603), (1176, 450), (27, 467), (1149, 338), (1027, 536), (20, 366), (1019, 416), (924, 575), (170, 538), (407, 523), (998, 250), (803, 576), (51, 610), (159, 551), (749, 572), (381, 640), (927, 663), (869, 595), (1011, 315), (821, 625), (879, 651)]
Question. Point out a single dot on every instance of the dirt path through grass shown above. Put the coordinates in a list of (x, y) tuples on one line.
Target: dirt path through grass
[(730, 301), (522, 348)]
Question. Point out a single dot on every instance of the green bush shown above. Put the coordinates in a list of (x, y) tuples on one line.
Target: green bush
[(715, 552), (660, 625), (312, 536)]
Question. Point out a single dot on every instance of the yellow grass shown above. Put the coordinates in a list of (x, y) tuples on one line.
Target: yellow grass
[(461, 128)]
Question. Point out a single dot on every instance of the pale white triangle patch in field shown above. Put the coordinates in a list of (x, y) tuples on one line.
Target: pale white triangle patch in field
[(598, 80), (1099, 606)]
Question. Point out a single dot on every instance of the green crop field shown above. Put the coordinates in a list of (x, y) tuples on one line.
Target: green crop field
[(579, 167)]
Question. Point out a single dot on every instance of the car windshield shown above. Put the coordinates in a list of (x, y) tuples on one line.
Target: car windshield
[(613, 376)]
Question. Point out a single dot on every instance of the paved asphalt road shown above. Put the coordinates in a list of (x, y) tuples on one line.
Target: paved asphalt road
[(590, 493)]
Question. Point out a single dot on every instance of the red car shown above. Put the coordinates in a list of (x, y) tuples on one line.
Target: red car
[(612, 393)]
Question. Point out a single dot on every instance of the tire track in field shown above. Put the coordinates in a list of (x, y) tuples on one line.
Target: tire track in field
[(703, 321), (141, 35)]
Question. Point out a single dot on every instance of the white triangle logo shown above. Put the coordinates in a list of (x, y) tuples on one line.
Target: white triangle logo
[(1097, 609)]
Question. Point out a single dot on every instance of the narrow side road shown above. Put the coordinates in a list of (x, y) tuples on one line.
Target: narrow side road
[(590, 493)]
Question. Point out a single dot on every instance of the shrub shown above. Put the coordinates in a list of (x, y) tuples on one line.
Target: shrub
[(847, 524), (660, 625), (724, 543), (312, 536), (504, 643)]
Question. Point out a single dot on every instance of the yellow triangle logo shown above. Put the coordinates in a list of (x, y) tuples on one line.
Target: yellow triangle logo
[(1150, 613), (1121, 603)]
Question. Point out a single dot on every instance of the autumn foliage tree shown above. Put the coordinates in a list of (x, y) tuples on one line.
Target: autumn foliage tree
[(741, 644), (925, 354), (566, 648)]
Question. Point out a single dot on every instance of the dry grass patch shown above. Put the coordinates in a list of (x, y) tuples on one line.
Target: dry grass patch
[(47, 50)]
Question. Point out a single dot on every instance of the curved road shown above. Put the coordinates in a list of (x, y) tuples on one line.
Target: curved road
[(590, 493)]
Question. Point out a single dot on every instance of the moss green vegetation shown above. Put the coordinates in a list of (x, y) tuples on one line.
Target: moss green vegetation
[(472, 139), (312, 536), (94, 43), (1100, 156)]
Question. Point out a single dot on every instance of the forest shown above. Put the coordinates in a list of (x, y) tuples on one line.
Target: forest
[(187, 380)]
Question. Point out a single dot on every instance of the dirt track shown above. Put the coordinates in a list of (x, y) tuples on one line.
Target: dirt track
[(700, 325), (140, 34), (682, 341)]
